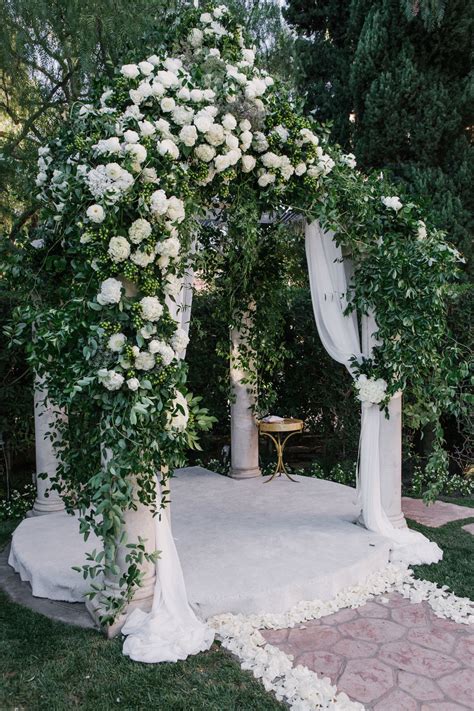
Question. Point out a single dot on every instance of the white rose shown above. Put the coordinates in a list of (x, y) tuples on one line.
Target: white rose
[(162, 349), (175, 212), (144, 361), (154, 59), (222, 162), (229, 122), (137, 151), (146, 68), (394, 202), (95, 213), (232, 141), (422, 231), (149, 175), (108, 145), (168, 79), (184, 94), (182, 115), (146, 128), (131, 136), (266, 179), (215, 135), (209, 94), (234, 156), (168, 147), (110, 379), (349, 159), (133, 384), (245, 125), (151, 308), (248, 163), (206, 18), (130, 71), (167, 104), (159, 202), (204, 122), (157, 89), (271, 160), (163, 263), (139, 230), (205, 153), (173, 64), (196, 95), (188, 135), (248, 55), (119, 249), (116, 342), (300, 168)]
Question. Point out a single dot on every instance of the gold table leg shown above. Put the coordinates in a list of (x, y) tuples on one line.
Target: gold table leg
[(280, 446)]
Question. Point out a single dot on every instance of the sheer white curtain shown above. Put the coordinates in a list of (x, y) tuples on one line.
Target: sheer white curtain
[(340, 337), (171, 631)]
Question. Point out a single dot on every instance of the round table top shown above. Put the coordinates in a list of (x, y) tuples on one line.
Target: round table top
[(288, 424)]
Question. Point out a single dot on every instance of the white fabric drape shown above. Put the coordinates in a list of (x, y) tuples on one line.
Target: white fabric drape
[(340, 337), (171, 631)]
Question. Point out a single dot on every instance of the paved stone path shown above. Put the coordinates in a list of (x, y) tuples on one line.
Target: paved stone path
[(436, 514), (396, 656)]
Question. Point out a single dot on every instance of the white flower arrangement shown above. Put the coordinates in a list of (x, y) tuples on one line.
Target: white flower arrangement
[(370, 391), (393, 203)]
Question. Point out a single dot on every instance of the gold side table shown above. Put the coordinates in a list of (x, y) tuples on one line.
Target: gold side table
[(280, 433)]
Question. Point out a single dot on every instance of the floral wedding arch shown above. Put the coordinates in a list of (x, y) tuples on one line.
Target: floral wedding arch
[(199, 128)]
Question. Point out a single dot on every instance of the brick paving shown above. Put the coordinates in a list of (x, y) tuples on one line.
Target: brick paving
[(435, 515), (396, 656)]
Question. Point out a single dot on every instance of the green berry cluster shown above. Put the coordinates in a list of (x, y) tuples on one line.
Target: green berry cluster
[(130, 271)]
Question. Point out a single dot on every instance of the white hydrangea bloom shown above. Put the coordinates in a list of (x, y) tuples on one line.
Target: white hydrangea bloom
[(116, 342), (169, 247), (215, 135), (107, 145), (175, 211), (168, 147), (110, 292), (266, 179), (142, 258), (144, 361), (163, 350), (180, 340), (139, 230), (151, 308), (370, 390), (110, 379), (131, 136), (393, 203), (119, 249), (248, 163), (133, 384), (205, 152), (158, 202), (188, 135)]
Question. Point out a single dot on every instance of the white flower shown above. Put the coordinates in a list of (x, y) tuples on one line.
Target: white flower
[(41, 178), (205, 153), (204, 122), (196, 95), (174, 64), (133, 384), (159, 202), (131, 136), (175, 212), (182, 115), (167, 104), (149, 175), (248, 163), (260, 142), (232, 141), (349, 159), (137, 151), (370, 390), (219, 11), (119, 249), (169, 247), (139, 230), (168, 79), (43, 150), (229, 122), (222, 162), (265, 179), (96, 213), (394, 202), (107, 145), (422, 232), (116, 342), (151, 308), (195, 37), (144, 361), (215, 135), (162, 349), (168, 147), (146, 68), (110, 379), (142, 258), (154, 59), (179, 414), (157, 89), (248, 56), (245, 125), (271, 160), (110, 292), (130, 71), (188, 135), (206, 18), (308, 136), (300, 168), (209, 94), (180, 340), (37, 243)]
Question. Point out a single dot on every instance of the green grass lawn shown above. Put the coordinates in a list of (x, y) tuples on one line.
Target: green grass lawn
[(51, 666)]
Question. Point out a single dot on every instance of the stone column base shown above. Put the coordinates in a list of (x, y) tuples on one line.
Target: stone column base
[(245, 473), (96, 610), (41, 507)]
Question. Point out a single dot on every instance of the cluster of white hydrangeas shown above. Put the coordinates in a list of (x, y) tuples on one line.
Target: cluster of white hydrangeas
[(370, 391)]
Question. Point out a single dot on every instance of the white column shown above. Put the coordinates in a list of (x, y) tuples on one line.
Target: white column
[(47, 501), (390, 442), (244, 431)]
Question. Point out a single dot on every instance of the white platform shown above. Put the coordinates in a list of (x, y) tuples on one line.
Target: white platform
[(245, 546)]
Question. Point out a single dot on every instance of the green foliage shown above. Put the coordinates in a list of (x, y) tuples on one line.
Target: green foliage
[(18, 504)]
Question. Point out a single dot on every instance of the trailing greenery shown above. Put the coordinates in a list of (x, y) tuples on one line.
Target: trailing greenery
[(124, 188)]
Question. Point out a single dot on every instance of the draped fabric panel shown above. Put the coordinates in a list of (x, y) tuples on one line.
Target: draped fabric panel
[(340, 337), (171, 631)]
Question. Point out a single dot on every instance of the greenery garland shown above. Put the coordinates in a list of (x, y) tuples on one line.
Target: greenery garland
[(198, 127)]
